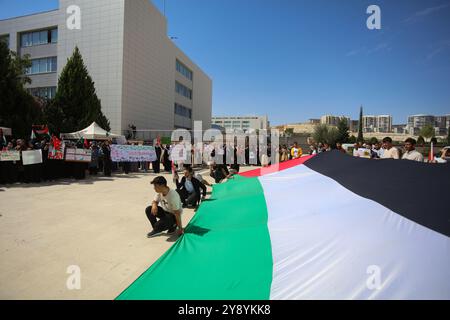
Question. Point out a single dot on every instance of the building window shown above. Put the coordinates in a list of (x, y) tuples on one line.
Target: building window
[(54, 35), (43, 65), (44, 93), (37, 38), (183, 111), (183, 90), (26, 41), (181, 68)]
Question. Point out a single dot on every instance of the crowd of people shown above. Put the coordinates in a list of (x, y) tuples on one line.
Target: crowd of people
[(387, 150), (379, 150), (165, 212), (52, 169)]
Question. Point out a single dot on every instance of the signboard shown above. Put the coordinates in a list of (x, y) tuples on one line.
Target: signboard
[(78, 155), (31, 157), (6, 131), (178, 153), (128, 153), (56, 154), (10, 155)]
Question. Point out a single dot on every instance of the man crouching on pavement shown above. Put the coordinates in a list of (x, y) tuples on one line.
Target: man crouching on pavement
[(166, 207)]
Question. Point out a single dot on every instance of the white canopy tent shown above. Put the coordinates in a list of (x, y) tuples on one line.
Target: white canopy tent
[(93, 132)]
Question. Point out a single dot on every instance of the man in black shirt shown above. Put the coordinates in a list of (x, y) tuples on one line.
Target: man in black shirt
[(189, 188)]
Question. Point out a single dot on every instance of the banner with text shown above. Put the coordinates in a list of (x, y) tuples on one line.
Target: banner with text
[(10, 155), (78, 155), (125, 153)]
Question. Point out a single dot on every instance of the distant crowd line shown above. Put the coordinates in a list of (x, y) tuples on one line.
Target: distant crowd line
[(379, 150)]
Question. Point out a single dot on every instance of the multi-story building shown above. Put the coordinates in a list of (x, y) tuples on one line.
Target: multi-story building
[(354, 125), (141, 76), (399, 128), (381, 123), (245, 123), (333, 120), (314, 121), (369, 123), (384, 123), (298, 128), (441, 121), (441, 124), (417, 122)]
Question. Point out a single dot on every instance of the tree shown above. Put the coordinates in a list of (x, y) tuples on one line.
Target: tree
[(324, 134), (427, 131), (343, 131), (352, 139), (360, 126), (448, 136), (420, 141), (76, 104), (320, 133), (332, 136), (18, 109)]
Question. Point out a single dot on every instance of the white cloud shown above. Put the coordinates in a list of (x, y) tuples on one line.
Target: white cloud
[(425, 12)]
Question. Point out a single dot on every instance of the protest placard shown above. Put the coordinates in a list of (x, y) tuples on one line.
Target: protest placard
[(10, 155), (31, 157), (178, 153), (362, 153), (78, 155)]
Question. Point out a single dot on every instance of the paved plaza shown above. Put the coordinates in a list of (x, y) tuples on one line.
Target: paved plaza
[(97, 224)]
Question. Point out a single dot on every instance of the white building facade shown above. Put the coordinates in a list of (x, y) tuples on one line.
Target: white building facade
[(245, 123), (141, 76)]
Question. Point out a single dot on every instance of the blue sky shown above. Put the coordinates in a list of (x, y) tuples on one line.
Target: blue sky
[(299, 59)]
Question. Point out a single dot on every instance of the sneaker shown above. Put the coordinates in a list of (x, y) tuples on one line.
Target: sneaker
[(153, 234), (172, 229)]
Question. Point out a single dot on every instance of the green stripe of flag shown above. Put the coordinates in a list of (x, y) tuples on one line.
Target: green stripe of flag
[(225, 253)]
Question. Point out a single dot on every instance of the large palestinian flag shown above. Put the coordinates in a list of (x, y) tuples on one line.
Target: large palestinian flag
[(329, 227)]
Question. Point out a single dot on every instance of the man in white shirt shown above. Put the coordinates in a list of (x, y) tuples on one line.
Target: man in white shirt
[(411, 152), (165, 211), (390, 152)]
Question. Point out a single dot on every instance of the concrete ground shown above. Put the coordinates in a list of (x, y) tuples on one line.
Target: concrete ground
[(96, 224)]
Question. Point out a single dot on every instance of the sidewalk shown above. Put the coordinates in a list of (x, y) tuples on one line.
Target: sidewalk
[(97, 224)]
